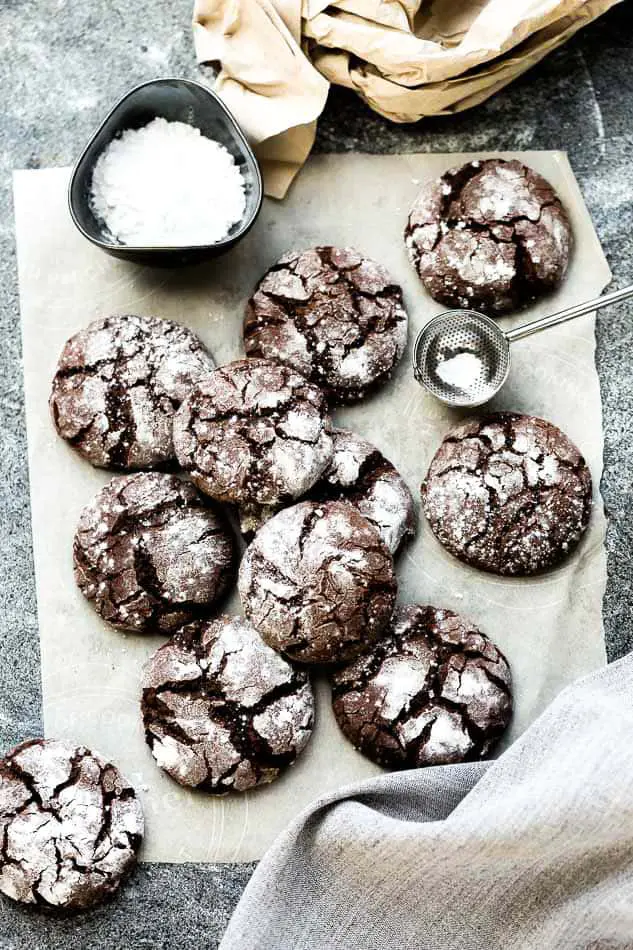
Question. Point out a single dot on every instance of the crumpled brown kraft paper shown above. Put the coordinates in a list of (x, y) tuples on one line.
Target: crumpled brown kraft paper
[(405, 58)]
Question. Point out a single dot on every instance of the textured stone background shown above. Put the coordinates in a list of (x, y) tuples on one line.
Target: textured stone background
[(62, 63)]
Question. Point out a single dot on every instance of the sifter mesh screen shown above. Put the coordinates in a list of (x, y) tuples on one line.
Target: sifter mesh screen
[(451, 334)]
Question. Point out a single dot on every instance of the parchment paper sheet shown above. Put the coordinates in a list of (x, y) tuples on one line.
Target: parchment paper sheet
[(405, 58), (550, 627)]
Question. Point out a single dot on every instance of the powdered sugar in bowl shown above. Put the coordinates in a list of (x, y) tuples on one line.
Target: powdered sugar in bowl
[(154, 115)]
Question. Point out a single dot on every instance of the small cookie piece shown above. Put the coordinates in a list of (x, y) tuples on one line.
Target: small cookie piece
[(254, 432), (318, 582), (151, 553), (333, 315), (117, 386), (489, 236), (251, 517), (222, 711), (433, 691), (508, 493), (360, 474), (70, 826)]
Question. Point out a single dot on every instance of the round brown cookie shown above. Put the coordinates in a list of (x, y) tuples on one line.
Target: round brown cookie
[(331, 314), (318, 582), (434, 690), (254, 432), (360, 474), (118, 384), (222, 711), (151, 553), (70, 826), (490, 236), (508, 493)]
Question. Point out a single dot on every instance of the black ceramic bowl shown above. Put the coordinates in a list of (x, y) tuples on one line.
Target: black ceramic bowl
[(177, 100)]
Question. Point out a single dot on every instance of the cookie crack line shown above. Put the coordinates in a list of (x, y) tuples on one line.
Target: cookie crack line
[(142, 337), (507, 421), (209, 687), (479, 227), (240, 416), (246, 741), (442, 650), (263, 567)]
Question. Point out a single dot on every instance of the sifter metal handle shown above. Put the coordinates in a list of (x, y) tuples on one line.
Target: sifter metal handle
[(563, 315)]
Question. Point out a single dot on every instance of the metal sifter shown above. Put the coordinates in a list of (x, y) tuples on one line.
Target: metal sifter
[(463, 357)]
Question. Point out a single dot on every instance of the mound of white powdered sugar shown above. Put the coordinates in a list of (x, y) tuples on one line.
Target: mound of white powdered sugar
[(167, 185)]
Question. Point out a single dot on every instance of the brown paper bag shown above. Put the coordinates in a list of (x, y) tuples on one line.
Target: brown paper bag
[(406, 58)]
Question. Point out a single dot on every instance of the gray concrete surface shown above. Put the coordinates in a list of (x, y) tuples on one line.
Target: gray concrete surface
[(62, 63)]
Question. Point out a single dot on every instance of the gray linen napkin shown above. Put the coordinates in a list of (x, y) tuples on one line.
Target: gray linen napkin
[(533, 850)]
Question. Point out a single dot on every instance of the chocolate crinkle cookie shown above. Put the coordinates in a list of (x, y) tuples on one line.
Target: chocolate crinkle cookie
[(70, 826), (433, 691), (508, 493), (117, 386), (318, 582), (222, 711), (490, 236), (360, 474), (254, 432), (333, 315), (151, 553)]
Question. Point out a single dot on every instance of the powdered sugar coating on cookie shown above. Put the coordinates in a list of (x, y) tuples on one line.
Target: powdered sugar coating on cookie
[(318, 582), (70, 826), (491, 236), (118, 384), (333, 315), (151, 553), (508, 493), (222, 711), (254, 432), (360, 474), (433, 691)]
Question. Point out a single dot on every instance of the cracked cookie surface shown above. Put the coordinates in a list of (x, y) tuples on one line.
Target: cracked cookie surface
[(434, 690), (318, 582), (360, 474), (117, 386), (508, 493), (151, 553), (254, 432), (222, 711), (489, 236), (70, 826), (333, 315)]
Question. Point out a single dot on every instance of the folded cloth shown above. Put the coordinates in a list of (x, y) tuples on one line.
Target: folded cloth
[(406, 58), (531, 851)]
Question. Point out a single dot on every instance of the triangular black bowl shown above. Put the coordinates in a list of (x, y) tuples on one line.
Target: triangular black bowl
[(177, 100)]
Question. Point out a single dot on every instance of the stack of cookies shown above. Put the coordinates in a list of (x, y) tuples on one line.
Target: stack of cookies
[(226, 701)]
